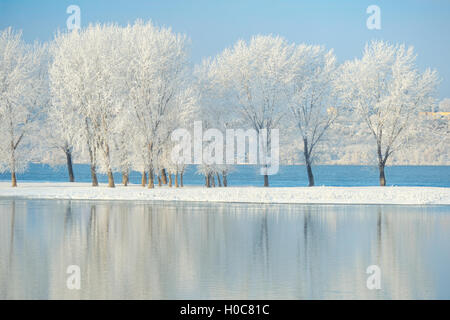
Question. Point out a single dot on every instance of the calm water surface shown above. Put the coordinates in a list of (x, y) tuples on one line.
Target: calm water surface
[(288, 176), (205, 251)]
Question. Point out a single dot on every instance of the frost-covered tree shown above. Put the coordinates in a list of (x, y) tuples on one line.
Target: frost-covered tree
[(123, 147), (23, 94), (86, 76), (250, 80), (429, 142), (386, 91), (57, 142), (311, 98), (444, 105), (157, 62), (188, 111), (62, 127), (211, 106), (70, 86)]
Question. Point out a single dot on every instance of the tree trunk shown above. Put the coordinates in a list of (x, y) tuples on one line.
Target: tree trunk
[(170, 180), (13, 179), (382, 176), (208, 181), (144, 178), (69, 165), (13, 166), (224, 178), (176, 180), (94, 176), (159, 181), (381, 163), (125, 178), (213, 181), (181, 179), (164, 176), (151, 173), (266, 180), (218, 180), (310, 174), (111, 183), (151, 177), (307, 154), (93, 170)]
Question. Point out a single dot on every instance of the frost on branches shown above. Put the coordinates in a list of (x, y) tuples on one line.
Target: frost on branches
[(387, 92), (112, 96), (23, 93), (120, 87)]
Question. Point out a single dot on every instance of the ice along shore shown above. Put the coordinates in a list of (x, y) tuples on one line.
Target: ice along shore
[(301, 195)]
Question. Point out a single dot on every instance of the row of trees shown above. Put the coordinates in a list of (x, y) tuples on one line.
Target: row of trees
[(113, 95)]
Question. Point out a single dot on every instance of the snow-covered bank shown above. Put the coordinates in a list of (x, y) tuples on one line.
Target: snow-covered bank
[(317, 195)]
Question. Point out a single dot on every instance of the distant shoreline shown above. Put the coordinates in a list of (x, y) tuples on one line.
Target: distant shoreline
[(272, 195)]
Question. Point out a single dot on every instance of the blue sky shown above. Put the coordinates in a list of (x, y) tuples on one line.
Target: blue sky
[(215, 24)]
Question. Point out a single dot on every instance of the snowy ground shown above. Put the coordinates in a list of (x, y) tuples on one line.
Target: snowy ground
[(325, 195)]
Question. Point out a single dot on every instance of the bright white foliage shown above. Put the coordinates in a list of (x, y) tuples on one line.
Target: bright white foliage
[(113, 95), (85, 77), (251, 78), (249, 81), (156, 74), (23, 95), (444, 105), (313, 102), (124, 88), (385, 90)]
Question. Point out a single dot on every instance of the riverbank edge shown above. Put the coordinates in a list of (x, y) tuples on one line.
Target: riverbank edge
[(259, 195)]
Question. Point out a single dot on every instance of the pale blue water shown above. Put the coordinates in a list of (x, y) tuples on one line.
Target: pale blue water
[(129, 250), (164, 250), (288, 176)]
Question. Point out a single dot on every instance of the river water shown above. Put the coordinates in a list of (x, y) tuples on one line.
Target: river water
[(133, 250), (288, 176)]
